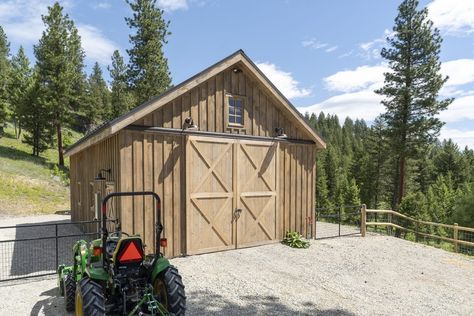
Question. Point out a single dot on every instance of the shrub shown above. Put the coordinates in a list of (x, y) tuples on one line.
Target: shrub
[(295, 240)]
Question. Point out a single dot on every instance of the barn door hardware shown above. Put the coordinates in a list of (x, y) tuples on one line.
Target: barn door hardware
[(237, 213)]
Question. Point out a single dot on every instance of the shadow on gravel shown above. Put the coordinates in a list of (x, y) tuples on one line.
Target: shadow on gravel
[(203, 303), (51, 305)]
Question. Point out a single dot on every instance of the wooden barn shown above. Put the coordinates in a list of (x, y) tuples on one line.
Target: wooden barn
[(231, 158)]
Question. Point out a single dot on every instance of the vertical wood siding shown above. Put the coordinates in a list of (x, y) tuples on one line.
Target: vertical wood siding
[(84, 167), (297, 187), (206, 104), (154, 162)]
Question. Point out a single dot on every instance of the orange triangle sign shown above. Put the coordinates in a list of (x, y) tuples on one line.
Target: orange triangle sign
[(131, 253)]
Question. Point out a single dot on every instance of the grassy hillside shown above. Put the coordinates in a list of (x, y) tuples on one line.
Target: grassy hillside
[(28, 184)]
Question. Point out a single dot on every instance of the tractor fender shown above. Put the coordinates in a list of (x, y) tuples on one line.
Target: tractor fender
[(81, 253), (159, 266)]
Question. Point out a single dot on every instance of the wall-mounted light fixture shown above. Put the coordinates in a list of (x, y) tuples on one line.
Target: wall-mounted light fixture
[(236, 70), (189, 124), (280, 133), (100, 177)]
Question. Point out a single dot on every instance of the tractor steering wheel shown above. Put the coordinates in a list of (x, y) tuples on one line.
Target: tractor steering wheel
[(118, 234)]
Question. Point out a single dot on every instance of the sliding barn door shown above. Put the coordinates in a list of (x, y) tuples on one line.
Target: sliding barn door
[(257, 193), (231, 193), (209, 165)]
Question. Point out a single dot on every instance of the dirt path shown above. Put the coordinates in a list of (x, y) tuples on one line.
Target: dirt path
[(376, 275)]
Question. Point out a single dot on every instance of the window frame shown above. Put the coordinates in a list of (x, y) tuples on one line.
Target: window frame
[(243, 100)]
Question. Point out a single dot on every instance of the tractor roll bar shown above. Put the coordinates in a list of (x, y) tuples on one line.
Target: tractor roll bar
[(105, 233)]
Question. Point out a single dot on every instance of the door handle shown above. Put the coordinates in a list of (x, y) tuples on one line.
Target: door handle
[(237, 213)]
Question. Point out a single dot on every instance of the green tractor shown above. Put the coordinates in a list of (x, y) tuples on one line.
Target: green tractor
[(113, 276)]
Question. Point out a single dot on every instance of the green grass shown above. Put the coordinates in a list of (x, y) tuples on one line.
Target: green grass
[(28, 184)]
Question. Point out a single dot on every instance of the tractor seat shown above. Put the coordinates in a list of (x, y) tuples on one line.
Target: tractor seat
[(110, 246)]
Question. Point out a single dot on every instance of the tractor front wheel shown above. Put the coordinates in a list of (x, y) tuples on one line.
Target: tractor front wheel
[(168, 289), (90, 299), (69, 290)]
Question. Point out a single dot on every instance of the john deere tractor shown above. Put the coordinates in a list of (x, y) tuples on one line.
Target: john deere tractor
[(113, 276)]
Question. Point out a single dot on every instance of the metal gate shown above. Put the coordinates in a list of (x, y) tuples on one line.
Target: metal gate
[(337, 221), (31, 250)]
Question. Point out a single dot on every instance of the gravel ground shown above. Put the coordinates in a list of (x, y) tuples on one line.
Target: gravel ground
[(376, 275)]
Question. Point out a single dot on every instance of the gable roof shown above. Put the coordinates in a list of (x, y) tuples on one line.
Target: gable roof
[(113, 126)]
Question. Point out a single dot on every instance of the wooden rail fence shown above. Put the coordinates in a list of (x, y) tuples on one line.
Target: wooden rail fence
[(462, 238)]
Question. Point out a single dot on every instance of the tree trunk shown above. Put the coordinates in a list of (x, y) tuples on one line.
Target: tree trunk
[(401, 181), (60, 145), (14, 124)]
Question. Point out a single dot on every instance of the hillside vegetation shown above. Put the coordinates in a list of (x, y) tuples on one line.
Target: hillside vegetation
[(30, 184)]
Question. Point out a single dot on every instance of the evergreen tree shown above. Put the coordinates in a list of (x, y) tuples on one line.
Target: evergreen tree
[(148, 72), (121, 98), (322, 192), (98, 105), (4, 76), (36, 118), (21, 76), (411, 88), (59, 62)]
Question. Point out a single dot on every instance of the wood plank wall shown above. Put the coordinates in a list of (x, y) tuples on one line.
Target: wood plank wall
[(154, 162), (206, 104), (84, 167), (297, 187)]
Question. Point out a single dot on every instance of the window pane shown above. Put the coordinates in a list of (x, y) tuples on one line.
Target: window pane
[(231, 110), (238, 119), (231, 119)]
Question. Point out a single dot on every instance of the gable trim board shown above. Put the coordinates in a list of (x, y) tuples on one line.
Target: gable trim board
[(239, 57)]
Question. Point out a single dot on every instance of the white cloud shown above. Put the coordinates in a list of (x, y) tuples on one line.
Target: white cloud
[(96, 45), (371, 49), (361, 104), (284, 81), (316, 45), (462, 108), (460, 71), (455, 17), (172, 5), (22, 22), (102, 5), (462, 137), (355, 80)]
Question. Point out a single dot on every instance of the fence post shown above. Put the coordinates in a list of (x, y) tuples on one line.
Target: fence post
[(57, 248), (340, 208), (455, 237), (416, 231), (363, 218)]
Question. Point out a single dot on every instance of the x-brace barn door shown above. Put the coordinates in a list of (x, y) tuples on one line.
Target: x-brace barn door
[(210, 194), (231, 193), (256, 192)]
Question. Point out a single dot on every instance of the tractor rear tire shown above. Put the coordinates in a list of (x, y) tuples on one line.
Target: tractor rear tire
[(169, 283), (90, 300), (69, 290)]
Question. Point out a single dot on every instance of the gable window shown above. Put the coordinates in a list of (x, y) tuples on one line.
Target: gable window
[(236, 109)]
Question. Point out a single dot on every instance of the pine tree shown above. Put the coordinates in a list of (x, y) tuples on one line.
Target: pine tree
[(21, 76), (411, 88), (98, 105), (148, 72), (121, 98), (59, 62), (4, 76), (36, 118)]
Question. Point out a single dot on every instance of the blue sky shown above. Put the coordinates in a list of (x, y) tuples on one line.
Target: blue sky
[(323, 55)]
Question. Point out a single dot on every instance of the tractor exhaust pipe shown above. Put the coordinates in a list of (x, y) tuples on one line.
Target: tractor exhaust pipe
[(105, 233)]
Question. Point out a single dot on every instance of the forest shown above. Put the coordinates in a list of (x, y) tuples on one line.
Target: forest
[(395, 162)]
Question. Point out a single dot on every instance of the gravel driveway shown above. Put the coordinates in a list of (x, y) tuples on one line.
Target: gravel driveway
[(376, 275)]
